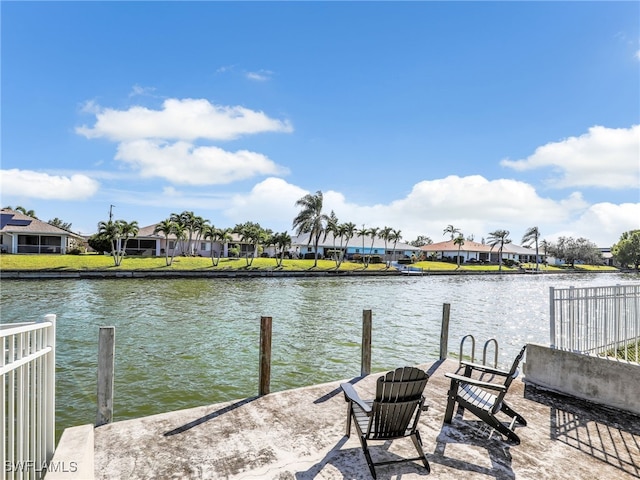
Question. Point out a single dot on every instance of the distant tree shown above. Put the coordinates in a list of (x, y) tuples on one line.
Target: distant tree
[(421, 241), (100, 242), (126, 230), (56, 222), (451, 230), (347, 232), (192, 225), (384, 234), (253, 234), (373, 231), (116, 232), (311, 220), (333, 227), (532, 235), (459, 241), (627, 250), (22, 210), (571, 250), (166, 228), (362, 232), (499, 237)]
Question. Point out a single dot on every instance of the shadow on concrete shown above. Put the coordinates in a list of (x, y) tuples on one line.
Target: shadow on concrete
[(475, 434), (351, 463), (336, 391), (210, 416), (609, 435)]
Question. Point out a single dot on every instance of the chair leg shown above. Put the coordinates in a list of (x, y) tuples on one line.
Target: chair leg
[(501, 428), (451, 401), (512, 413), (367, 455), (349, 412), (417, 441)]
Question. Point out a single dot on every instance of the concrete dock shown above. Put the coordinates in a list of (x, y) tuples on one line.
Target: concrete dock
[(299, 434)]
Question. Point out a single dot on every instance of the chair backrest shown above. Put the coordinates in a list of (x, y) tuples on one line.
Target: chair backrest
[(513, 373), (398, 395)]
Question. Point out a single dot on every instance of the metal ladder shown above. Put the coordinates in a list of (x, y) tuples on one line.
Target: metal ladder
[(484, 350)]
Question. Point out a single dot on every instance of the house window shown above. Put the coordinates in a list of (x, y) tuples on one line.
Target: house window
[(357, 250), (172, 244), (375, 251), (203, 246)]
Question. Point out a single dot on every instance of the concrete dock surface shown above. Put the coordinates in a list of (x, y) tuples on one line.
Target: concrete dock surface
[(300, 434)]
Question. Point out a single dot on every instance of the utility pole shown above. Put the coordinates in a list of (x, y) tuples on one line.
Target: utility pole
[(111, 212)]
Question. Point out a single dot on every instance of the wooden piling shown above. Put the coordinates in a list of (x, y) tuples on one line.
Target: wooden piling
[(444, 331), (264, 378), (365, 366), (106, 363)]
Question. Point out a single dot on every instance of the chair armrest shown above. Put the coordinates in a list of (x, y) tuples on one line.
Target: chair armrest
[(485, 369), (351, 395), (477, 383)]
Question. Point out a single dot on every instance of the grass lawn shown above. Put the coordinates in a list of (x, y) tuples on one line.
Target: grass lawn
[(105, 262), (632, 349)]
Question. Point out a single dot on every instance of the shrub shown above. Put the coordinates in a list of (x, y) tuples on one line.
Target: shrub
[(375, 259)]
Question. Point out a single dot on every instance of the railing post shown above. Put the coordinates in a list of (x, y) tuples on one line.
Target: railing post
[(50, 382), (444, 331), (552, 318), (106, 361), (365, 364), (264, 378)]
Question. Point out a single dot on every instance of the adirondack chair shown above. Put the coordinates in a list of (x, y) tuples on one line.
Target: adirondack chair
[(475, 395), (394, 413)]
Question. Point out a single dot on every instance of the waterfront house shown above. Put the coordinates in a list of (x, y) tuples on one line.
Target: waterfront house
[(301, 245), (20, 233), (474, 252), (149, 243)]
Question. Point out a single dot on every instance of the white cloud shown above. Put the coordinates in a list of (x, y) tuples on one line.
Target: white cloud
[(186, 164), (260, 75), (30, 184), (603, 157), (270, 203), (186, 119), (603, 223), (139, 90), (474, 204)]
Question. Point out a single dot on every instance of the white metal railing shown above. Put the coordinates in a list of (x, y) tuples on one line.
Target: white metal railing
[(596, 320), (27, 397)]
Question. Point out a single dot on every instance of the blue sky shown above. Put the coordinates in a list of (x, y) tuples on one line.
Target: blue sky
[(416, 115)]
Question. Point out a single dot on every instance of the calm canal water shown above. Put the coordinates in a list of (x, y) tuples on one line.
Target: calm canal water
[(189, 342)]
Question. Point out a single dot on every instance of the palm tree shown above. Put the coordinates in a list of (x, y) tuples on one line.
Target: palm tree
[(110, 231), (224, 236), (451, 230), (198, 226), (166, 227), (334, 228), (532, 235), (347, 231), (373, 231), (253, 234), (362, 232), (212, 233), (395, 237), (281, 241), (459, 240), (127, 230), (385, 234), (311, 220), (499, 237)]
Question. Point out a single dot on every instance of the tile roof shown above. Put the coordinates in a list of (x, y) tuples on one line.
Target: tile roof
[(17, 222)]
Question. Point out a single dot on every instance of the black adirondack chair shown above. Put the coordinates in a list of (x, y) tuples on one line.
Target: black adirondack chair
[(394, 413), (475, 394)]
